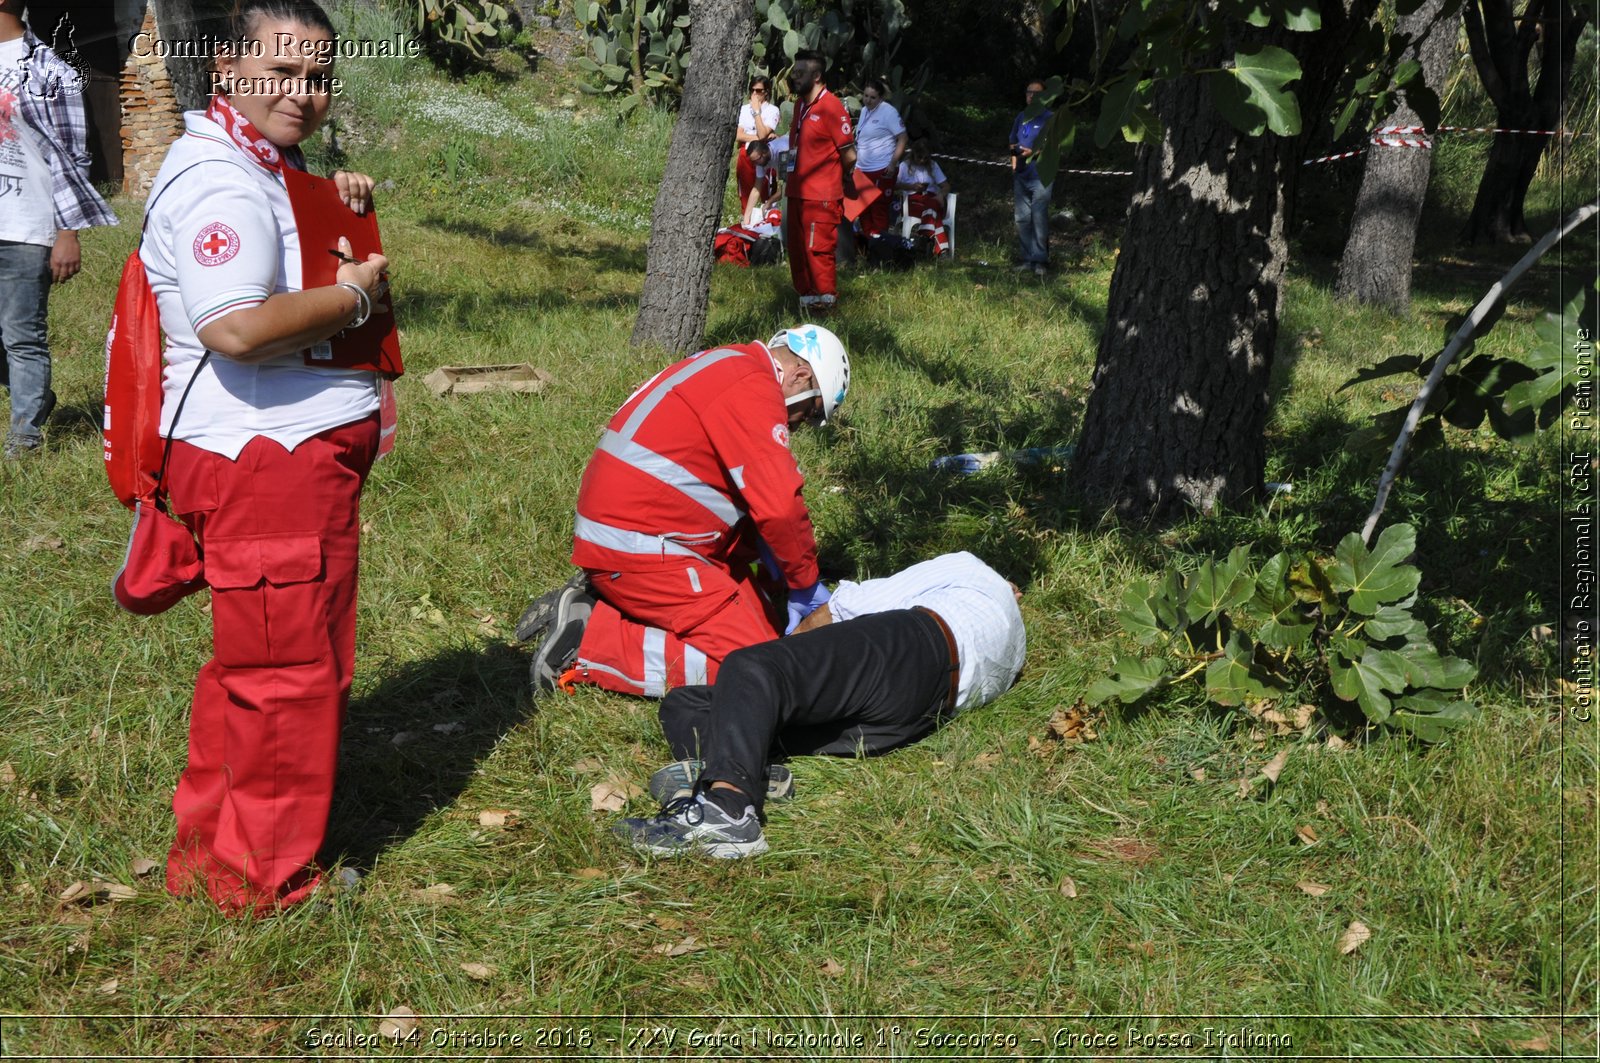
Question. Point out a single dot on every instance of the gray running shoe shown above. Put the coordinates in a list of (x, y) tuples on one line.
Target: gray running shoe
[(538, 616), (560, 646), (695, 825), (677, 780)]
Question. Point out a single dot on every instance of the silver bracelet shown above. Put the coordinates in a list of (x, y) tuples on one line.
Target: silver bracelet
[(363, 304)]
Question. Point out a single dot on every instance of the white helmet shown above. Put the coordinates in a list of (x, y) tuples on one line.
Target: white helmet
[(826, 356)]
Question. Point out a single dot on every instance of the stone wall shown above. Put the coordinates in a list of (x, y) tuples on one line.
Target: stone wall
[(151, 118)]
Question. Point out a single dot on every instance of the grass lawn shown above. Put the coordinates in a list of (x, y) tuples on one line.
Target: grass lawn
[(993, 888)]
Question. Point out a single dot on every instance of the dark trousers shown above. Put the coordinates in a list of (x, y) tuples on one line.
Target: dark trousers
[(866, 685)]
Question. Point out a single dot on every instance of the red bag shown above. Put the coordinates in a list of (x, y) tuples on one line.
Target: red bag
[(132, 426), (162, 565), (730, 246)]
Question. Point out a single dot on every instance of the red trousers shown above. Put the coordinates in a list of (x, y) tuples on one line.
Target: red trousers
[(280, 534), (812, 237), (670, 627), (745, 171), (875, 218), (928, 209)]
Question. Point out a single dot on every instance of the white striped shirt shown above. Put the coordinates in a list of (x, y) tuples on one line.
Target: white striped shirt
[(972, 598)]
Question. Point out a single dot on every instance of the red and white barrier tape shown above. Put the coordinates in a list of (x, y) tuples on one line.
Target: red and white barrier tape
[(1007, 166)]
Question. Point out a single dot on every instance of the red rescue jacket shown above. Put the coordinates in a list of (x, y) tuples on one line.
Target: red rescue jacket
[(693, 460)]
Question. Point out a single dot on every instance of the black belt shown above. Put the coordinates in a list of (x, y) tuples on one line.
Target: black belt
[(955, 656)]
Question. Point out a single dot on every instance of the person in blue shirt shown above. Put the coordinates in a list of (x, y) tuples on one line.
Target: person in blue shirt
[(1031, 197)]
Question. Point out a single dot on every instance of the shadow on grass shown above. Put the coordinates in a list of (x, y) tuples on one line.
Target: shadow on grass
[(608, 254), (411, 745)]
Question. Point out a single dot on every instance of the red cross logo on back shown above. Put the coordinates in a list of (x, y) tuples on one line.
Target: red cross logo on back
[(215, 244)]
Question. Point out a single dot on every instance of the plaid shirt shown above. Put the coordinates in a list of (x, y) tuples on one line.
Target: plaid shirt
[(50, 98)]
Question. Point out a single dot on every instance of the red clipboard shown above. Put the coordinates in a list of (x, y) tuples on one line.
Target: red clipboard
[(867, 193), (322, 218)]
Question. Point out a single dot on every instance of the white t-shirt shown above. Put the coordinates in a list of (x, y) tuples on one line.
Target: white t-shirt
[(769, 118), (27, 198), (920, 175), (876, 133), (224, 239), (972, 598)]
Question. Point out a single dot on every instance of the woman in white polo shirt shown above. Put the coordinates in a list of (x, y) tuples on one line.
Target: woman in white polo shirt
[(267, 463), (758, 121), (880, 142)]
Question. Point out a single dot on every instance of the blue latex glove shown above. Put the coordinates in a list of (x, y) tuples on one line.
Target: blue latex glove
[(769, 560), (804, 602)]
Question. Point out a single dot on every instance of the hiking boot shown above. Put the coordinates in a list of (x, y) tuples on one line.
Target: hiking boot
[(677, 780), (695, 825), (560, 646), (537, 617)]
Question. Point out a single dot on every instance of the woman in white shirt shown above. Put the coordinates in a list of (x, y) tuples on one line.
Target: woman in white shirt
[(880, 142), (758, 120), (929, 188), (267, 461)]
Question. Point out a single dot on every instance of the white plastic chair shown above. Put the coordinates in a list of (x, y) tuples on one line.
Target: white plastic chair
[(909, 223)]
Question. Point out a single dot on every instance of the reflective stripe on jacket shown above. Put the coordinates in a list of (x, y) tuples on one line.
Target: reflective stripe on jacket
[(691, 454)]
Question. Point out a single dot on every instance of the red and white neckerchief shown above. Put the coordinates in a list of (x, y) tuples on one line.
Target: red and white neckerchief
[(249, 139)]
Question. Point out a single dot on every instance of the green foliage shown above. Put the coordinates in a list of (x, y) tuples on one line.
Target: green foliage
[(1302, 626), (468, 26), (639, 49), (1518, 391)]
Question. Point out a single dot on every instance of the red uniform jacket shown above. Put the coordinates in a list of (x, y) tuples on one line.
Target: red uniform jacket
[(821, 131), (693, 453)]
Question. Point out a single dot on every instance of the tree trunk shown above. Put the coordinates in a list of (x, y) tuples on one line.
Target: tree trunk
[(677, 282), (1501, 50), (1376, 266), (1177, 416)]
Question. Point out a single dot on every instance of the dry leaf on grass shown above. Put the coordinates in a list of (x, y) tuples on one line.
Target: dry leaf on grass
[(1068, 888), (1198, 774), (831, 966), (108, 987), (612, 795), (34, 543), (481, 972), (143, 865), (438, 893), (679, 948), (498, 817), (81, 892), (1128, 850), (1313, 889), (1354, 936), (1274, 767), (986, 760), (1307, 835), (1534, 1044), (1072, 726), (398, 1023), (8, 774), (589, 872), (667, 922), (1335, 744), (586, 765)]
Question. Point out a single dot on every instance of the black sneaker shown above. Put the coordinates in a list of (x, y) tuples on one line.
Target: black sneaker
[(695, 825), (560, 646), (677, 780), (537, 617)]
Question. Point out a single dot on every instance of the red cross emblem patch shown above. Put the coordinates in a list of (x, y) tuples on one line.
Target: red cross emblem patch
[(216, 244)]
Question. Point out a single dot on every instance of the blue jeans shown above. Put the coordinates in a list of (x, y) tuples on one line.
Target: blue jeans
[(1032, 214), (24, 291)]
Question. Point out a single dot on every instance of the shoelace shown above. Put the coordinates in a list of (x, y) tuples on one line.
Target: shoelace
[(689, 807)]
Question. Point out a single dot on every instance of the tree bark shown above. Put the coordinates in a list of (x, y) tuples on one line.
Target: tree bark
[(182, 23), (1376, 265), (677, 283), (1177, 416), (1501, 48)]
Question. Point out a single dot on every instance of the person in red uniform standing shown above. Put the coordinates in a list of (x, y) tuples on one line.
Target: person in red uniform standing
[(268, 458), (692, 483), (822, 175)]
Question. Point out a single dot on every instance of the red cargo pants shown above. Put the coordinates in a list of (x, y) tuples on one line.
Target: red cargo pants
[(280, 534)]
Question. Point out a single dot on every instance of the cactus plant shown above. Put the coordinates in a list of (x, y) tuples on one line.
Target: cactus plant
[(465, 25)]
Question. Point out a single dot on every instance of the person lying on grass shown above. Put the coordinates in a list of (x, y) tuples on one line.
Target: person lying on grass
[(878, 667)]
